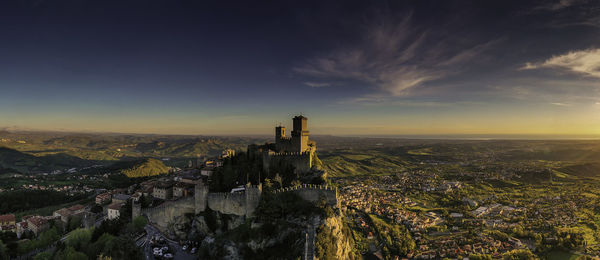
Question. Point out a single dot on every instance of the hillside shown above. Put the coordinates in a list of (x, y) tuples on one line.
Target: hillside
[(582, 170), (113, 147), (11, 159), (145, 168)]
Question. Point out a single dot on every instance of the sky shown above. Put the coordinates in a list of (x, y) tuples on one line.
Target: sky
[(351, 67)]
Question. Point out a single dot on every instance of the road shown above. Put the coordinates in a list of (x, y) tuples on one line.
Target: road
[(178, 252)]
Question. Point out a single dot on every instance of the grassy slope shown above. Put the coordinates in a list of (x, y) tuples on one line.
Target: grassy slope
[(145, 168)]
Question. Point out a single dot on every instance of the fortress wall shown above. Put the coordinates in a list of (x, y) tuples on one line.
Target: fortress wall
[(314, 193), (228, 203), (168, 211), (302, 162)]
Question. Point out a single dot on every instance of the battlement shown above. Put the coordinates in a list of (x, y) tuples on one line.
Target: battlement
[(306, 187), (306, 153), (314, 193)]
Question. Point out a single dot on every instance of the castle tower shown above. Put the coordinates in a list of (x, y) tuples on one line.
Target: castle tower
[(279, 135), (253, 194), (300, 134), (200, 197), (136, 210)]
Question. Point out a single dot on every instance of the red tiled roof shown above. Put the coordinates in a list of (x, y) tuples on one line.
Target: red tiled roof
[(115, 206), (76, 207), (7, 218), (63, 212), (38, 221)]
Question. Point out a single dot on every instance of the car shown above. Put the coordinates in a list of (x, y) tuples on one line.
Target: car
[(185, 247), (193, 250), (156, 250), (168, 256)]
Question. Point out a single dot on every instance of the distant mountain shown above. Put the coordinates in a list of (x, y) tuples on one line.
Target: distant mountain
[(11, 159), (114, 147), (145, 168)]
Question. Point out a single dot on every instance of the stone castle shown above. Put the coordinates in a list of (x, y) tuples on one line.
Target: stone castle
[(295, 150)]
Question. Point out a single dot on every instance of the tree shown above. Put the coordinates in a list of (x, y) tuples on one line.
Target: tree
[(3, 251), (74, 222), (79, 238), (96, 209), (43, 256), (268, 185), (139, 223)]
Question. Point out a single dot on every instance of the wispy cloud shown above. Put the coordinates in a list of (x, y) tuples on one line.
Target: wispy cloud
[(317, 84), (561, 104), (571, 12), (585, 62), (558, 5), (394, 56)]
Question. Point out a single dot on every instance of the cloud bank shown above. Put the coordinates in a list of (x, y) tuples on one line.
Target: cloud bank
[(584, 62)]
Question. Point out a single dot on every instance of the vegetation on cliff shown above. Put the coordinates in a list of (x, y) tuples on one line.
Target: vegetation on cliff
[(145, 168)]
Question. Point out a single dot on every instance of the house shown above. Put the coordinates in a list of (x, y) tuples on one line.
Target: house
[(163, 191), (64, 214), (182, 189), (103, 198), (113, 210), (37, 224), (120, 198), (7, 220), (21, 228)]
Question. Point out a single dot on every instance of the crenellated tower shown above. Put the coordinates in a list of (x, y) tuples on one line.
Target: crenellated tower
[(300, 134)]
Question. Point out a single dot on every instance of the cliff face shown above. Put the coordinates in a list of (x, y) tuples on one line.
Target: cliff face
[(333, 241), (343, 241)]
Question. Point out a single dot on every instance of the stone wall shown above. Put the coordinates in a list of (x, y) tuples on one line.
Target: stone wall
[(241, 203), (165, 213), (228, 203), (314, 193), (302, 162)]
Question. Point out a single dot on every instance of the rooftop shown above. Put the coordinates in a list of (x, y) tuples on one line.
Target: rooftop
[(37, 221), (76, 207), (7, 218), (115, 206), (121, 196)]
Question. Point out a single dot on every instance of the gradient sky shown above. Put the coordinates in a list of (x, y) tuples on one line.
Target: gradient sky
[(352, 67)]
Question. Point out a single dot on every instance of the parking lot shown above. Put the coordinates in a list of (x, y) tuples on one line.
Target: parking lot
[(156, 246)]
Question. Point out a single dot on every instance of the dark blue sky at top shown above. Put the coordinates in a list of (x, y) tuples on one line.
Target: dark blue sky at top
[(336, 61)]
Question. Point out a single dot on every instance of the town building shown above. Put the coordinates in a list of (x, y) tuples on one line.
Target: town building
[(64, 214), (114, 210), (103, 198), (6, 220), (37, 224), (163, 191)]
